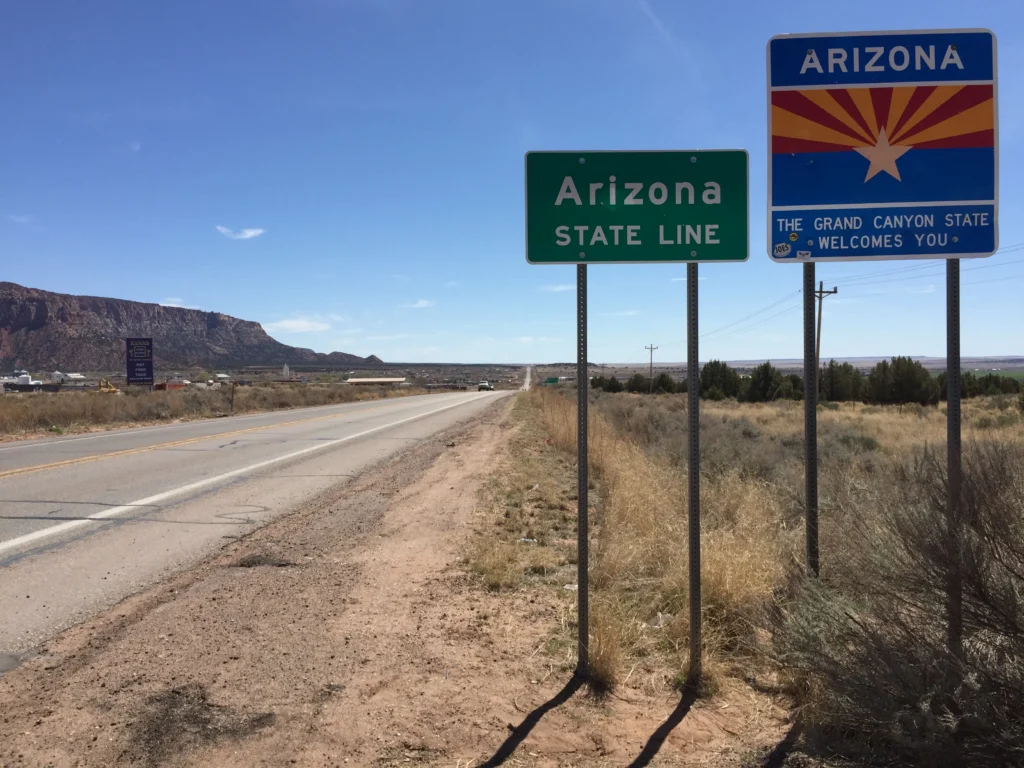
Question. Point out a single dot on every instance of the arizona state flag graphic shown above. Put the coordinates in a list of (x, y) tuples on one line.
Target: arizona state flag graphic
[(856, 144), (872, 132)]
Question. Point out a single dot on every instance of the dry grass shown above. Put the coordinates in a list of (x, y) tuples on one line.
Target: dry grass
[(23, 414), (527, 513), (639, 568), (752, 546)]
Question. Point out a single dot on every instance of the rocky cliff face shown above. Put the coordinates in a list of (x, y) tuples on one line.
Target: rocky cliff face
[(44, 331)]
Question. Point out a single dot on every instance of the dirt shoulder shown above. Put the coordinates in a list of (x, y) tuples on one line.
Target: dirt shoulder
[(350, 633)]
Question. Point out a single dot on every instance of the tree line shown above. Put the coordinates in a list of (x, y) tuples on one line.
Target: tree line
[(896, 381)]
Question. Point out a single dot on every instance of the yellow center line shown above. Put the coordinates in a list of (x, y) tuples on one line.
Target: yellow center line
[(188, 441)]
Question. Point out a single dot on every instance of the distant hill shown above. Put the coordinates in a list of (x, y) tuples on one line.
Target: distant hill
[(44, 331)]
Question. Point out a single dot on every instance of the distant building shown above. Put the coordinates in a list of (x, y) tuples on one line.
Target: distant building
[(286, 372), (222, 377)]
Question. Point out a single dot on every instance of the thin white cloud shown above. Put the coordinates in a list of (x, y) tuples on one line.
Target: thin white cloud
[(558, 288), (656, 22), (134, 147), (930, 288), (242, 234), (537, 339), (622, 313), (297, 325), (390, 337), (176, 302), (20, 218), (421, 304)]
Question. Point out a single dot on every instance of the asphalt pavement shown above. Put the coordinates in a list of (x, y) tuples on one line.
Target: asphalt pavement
[(86, 521)]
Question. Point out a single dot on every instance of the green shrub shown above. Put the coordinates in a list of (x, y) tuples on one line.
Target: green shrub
[(763, 385), (712, 393), (717, 375)]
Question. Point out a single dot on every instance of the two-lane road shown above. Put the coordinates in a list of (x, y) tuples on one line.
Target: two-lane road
[(86, 521)]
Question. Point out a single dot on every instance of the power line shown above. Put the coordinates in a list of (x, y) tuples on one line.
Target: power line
[(790, 309), (864, 281), (871, 278), (752, 314), (859, 282), (760, 322), (994, 280)]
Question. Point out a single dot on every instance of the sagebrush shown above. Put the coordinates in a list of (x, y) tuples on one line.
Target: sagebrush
[(863, 651)]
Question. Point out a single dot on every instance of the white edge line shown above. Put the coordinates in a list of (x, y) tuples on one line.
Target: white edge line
[(844, 206), (53, 530)]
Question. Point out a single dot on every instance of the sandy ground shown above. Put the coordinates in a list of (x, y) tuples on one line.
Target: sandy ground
[(347, 634)]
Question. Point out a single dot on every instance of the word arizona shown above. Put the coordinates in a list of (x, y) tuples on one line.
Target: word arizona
[(875, 58), (638, 192)]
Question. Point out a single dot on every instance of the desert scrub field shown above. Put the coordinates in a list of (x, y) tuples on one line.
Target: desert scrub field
[(64, 412), (862, 652)]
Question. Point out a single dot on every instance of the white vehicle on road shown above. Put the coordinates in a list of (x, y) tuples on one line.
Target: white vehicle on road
[(484, 386)]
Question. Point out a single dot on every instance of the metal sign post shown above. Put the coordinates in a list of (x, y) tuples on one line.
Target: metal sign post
[(883, 145), (954, 608), (810, 425), (693, 516), (582, 479), (628, 208)]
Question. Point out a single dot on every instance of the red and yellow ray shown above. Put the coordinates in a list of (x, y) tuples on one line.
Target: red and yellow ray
[(923, 117)]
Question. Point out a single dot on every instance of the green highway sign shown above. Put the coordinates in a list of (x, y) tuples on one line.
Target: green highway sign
[(629, 207)]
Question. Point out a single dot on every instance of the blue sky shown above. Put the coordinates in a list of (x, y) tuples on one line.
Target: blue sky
[(350, 172)]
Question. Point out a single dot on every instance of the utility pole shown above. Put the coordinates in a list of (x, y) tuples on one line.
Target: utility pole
[(650, 379), (821, 294)]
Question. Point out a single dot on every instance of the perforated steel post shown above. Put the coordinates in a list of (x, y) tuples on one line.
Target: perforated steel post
[(810, 423), (693, 518), (953, 457), (583, 479)]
